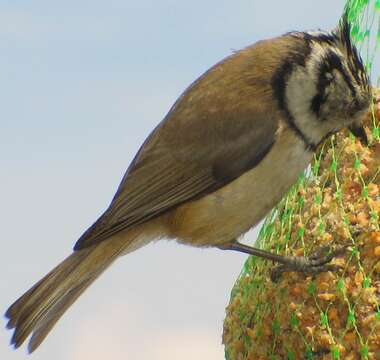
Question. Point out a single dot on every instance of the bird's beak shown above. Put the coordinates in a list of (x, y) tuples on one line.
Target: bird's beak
[(359, 132)]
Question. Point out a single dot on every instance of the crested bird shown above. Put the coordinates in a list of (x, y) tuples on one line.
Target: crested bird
[(225, 154)]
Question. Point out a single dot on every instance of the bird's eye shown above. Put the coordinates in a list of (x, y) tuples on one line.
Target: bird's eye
[(329, 77)]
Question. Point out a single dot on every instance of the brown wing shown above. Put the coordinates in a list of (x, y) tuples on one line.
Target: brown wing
[(222, 126)]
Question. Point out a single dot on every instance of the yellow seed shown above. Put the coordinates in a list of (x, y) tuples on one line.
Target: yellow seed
[(325, 339), (327, 297), (362, 219), (359, 277), (370, 319), (251, 333), (373, 189), (376, 251), (375, 236), (323, 286), (333, 314)]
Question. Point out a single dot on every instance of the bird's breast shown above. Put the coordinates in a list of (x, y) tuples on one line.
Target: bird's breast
[(229, 212)]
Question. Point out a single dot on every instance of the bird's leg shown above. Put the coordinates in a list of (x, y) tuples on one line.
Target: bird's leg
[(315, 264)]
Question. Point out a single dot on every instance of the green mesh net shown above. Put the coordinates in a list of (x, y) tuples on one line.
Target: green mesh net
[(364, 18), (335, 315)]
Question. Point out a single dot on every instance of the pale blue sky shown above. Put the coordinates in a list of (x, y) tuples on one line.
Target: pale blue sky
[(82, 84)]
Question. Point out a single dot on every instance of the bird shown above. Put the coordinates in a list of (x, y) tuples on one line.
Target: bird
[(225, 154)]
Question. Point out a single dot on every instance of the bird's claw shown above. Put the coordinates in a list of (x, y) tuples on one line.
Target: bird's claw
[(312, 265)]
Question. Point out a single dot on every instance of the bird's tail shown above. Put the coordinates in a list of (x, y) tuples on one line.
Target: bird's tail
[(37, 311)]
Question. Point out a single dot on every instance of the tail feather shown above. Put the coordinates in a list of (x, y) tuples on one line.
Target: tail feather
[(37, 311), (14, 309), (40, 333), (26, 312)]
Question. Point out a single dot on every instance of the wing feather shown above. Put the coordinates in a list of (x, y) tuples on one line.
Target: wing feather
[(215, 132)]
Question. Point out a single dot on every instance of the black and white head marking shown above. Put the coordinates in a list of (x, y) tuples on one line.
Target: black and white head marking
[(322, 85)]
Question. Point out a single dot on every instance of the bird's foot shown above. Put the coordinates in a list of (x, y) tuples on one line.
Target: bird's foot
[(315, 264)]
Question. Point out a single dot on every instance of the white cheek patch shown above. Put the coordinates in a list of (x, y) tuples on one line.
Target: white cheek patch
[(301, 88)]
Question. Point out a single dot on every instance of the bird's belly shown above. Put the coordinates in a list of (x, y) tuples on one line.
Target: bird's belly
[(229, 212)]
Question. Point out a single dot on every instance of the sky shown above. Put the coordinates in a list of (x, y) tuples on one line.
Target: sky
[(82, 84)]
